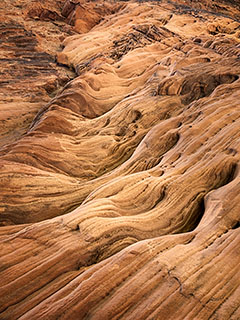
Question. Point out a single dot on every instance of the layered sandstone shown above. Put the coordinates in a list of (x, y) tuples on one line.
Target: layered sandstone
[(120, 150)]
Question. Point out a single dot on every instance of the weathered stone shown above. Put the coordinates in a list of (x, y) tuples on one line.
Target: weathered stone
[(119, 160)]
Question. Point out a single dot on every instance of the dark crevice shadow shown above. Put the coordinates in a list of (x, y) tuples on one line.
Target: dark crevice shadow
[(236, 225), (195, 217), (197, 213)]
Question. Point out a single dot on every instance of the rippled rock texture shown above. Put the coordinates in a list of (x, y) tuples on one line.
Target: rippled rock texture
[(119, 160)]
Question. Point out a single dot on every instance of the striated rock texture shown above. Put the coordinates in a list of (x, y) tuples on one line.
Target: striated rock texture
[(119, 160)]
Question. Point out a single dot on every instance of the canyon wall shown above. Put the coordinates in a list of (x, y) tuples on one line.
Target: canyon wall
[(119, 160)]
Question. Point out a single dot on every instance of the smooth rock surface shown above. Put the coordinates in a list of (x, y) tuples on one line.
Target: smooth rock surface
[(119, 160)]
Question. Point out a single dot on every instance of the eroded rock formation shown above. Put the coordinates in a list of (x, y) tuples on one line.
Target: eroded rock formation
[(119, 160)]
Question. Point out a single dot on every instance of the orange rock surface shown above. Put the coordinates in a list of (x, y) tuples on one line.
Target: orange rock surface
[(119, 160)]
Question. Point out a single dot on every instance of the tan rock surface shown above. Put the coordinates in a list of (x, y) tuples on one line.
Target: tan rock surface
[(120, 188)]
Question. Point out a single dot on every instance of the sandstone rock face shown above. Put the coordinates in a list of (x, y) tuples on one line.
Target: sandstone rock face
[(119, 160)]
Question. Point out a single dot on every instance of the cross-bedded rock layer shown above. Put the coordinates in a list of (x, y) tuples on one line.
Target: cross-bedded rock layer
[(120, 192)]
